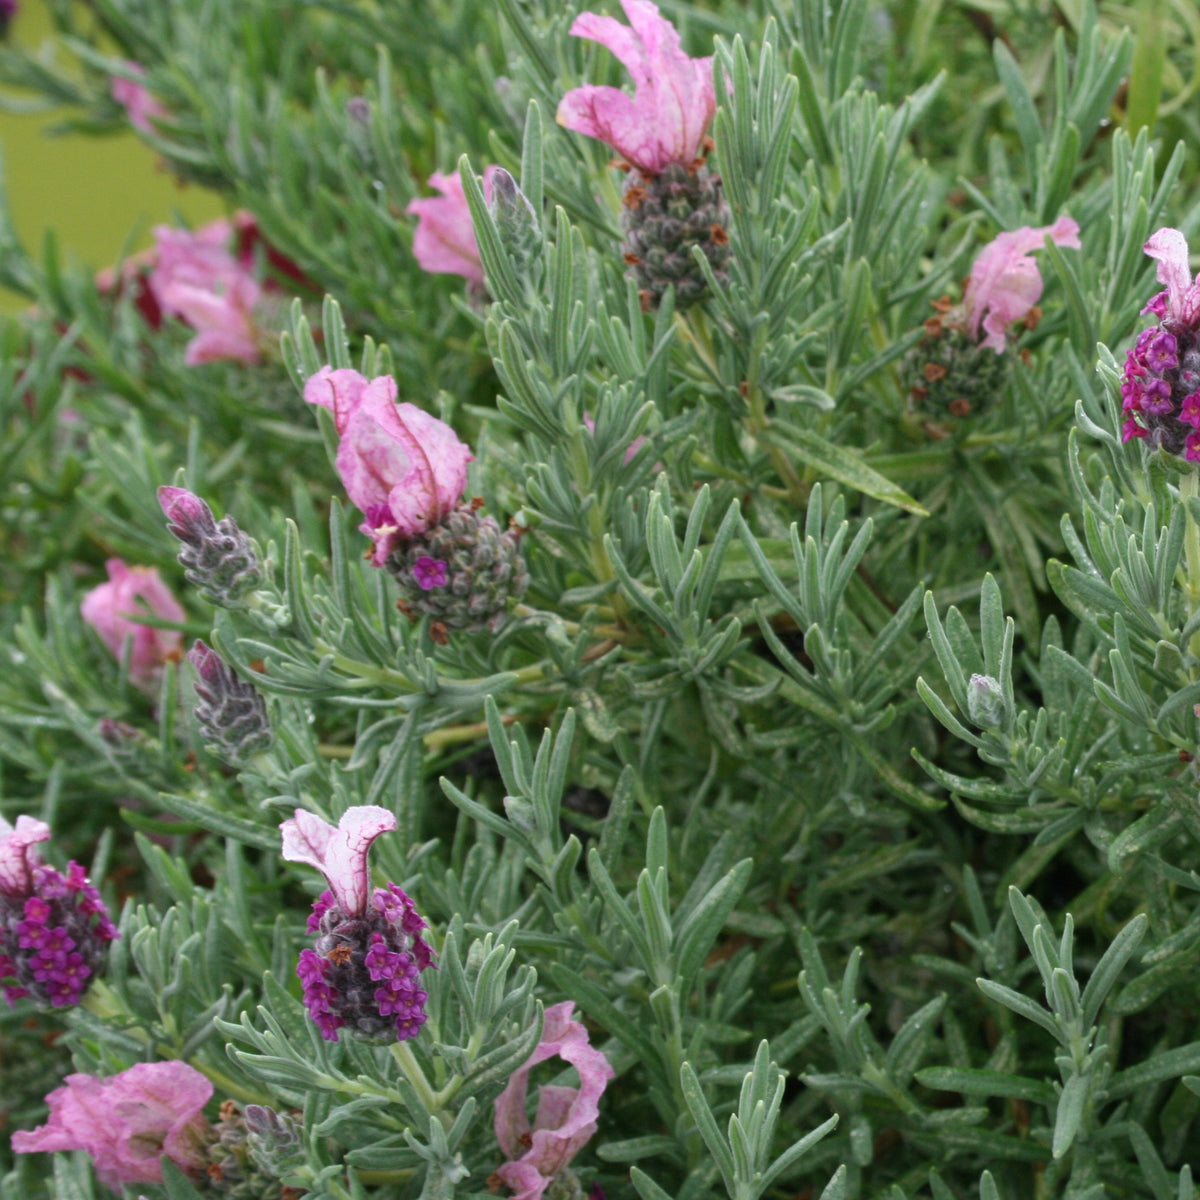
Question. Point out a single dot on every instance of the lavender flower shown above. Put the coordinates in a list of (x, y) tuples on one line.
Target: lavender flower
[(444, 243), (666, 118), (566, 1117), (231, 711), (404, 469), (363, 974), (127, 1122), (197, 278), (217, 557), (54, 928), (1161, 390), (1005, 283), (112, 610)]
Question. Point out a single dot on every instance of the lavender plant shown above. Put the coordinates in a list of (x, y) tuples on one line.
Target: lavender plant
[(624, 555)]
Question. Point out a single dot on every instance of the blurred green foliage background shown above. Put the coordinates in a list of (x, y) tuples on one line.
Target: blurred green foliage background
[(98, 196)]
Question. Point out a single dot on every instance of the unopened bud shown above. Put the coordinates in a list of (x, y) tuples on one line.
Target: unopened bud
[(217, 557), (273, 1139), (231, 712), (985, 702), (516, 222)]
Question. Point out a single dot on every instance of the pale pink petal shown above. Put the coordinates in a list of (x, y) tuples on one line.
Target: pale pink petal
[(127, 1122), (627, 46), (1169, 248), (610, 115), (139, 103), (1005, 282), (198, 279), (340, 853), (113, 608), (341, 392), (17, 856), (666, 118), (566, 1116), (444, 241)]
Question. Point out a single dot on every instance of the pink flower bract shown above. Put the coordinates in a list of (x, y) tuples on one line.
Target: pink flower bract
[(112, 609), (566, 1116), (1169, 248), (139, 103), (1005, 283), (128, 1121), (17, 855), (665, 120), (444, 242), (197, 278), (338, 852), (404, 469)]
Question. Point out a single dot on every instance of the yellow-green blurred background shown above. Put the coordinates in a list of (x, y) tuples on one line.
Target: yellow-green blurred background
[(93, 192)]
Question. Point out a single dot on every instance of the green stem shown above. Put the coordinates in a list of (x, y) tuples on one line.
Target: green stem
[(402, 1053), (1189, 488)]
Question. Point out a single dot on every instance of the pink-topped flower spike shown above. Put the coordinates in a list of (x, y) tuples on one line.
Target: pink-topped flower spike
[(1161, 390), (1005, 282), (566, 1116), (960, 366), (54, 928), (128, 1122), (673, 204), (363, 973), (406, 471), (666, 118), (112, 610)]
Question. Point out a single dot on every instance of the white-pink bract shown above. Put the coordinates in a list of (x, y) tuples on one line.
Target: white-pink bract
[(112, 609), (17, 855), (127, 1122), (403, 468), (444, 241), (1005, 283), (197, 278), (138, 101), (566, 1116), (1169, 248), (666, 118), (338, 852)]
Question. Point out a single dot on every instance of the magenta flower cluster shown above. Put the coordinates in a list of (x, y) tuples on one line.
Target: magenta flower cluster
[(54, 928), (364, 972), (1160, 393)]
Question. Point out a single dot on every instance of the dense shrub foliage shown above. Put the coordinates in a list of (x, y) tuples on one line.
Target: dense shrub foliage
[(711, 581)]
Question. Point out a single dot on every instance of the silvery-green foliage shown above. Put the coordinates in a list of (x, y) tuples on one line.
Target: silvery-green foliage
[(856, 904)]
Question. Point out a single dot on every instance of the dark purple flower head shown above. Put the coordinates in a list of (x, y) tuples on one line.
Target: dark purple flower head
[(363, 973), (54, 928), (1160, 394)]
